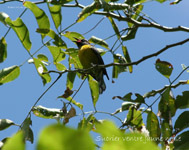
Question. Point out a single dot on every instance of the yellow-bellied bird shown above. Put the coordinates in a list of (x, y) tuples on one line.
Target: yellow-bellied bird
[(89, 56)]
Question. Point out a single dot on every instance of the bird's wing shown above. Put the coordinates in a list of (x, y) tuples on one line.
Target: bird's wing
[(100, 60)]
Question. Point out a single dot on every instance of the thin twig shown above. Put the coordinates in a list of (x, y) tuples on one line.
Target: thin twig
[(41, 97)]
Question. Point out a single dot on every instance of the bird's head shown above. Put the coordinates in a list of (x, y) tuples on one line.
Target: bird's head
[(81, 42)]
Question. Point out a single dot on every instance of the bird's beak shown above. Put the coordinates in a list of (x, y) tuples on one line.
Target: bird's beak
[(75, 39)]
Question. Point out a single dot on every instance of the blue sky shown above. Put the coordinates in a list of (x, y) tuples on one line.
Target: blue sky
[(18, 97)]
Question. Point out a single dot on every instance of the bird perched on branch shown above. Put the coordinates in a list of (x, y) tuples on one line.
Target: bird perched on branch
[(89, 57)]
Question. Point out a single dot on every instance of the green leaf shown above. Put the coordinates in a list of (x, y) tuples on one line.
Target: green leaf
[(87, 123), (182, 122), (134, 118), (98, 41), (182, 101), (3, 17), (88, 10), (41, 69), (3, 50), (161, 1), (132, 2), (57, 53), (56, 14), (127, 58), (164, 67), (60, 137), (9, 74), (139, 98), (47, 113), (70, 79), (166, 130), (41, 17), (167, 104), (60, 2), (124, 107), (181, 141), (94, 88), (175, 2), (116, 30), (73, 35), (21, 30), (42, 57), (70, 99), (60, 67), (114, 139), (153, 126), (118, 58), (5, 123), (73, 59), (28, 133), (57, 40), (15, 142), (136, 15)]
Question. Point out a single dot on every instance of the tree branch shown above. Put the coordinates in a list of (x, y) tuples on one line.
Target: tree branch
[(123, 64), (140, 24)]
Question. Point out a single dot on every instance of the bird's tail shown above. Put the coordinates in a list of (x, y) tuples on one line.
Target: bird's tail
[(102, 86)]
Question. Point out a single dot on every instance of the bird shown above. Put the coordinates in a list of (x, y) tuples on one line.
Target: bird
[(89, 57)]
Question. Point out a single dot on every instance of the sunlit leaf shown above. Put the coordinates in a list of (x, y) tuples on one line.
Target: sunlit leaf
[(60, 67), (73, 59), (41, 69), (9, 74), (42, 57), (15, 142), (57, 53), (3, 49), (127, 58), (57, 40), (28, 133), (116, 30), (164, 67), (70, 79), (60, 2), (94, 88), (161, 1), (136, 15), (41, 17), (182, 122), (182, 101), (98, 41), (21, 30), (3, 17), (56, 14), (124, 107), (181, 141), (153, 126), (70, 99), (5, 123), (175, 2), (166, 130), (60, 137), (114, 139), (134, 117), (118, 58), (88, 10), (73, 35), (47, 113), (167, 104)]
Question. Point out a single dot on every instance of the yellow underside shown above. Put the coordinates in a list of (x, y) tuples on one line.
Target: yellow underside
[(87, 57)]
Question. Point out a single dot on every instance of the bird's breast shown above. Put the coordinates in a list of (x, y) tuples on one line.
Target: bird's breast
[(87, 57)]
